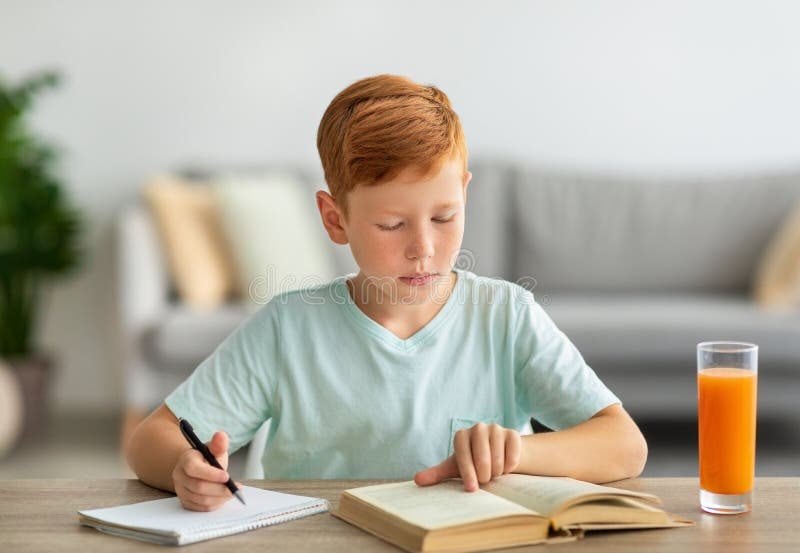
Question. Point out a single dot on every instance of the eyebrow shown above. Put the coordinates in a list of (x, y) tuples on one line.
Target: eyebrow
[(437, 207)]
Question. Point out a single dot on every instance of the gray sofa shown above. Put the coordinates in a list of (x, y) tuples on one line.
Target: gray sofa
[(636, 271)]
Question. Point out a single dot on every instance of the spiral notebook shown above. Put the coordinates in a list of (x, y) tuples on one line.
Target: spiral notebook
[(166, 522)]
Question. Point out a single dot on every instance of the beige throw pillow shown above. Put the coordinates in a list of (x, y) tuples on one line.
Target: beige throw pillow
[(777, 279), (188, 221)]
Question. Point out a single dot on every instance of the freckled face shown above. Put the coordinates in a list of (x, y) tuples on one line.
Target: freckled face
[(409, 230)]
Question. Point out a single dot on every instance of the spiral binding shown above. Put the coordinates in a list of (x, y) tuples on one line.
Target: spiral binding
[(260, 523)]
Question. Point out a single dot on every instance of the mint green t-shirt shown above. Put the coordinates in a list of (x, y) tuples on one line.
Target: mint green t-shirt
[(349, 399)]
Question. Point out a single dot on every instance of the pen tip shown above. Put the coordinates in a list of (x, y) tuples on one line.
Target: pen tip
[(239, 496)]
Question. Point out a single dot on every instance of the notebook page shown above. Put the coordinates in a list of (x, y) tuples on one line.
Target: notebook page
[(167, 516), (438, 506)]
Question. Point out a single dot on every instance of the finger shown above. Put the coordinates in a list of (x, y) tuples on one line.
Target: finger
[(195, 506), (433, 475), (481, 454), (463, 455), (513, 452), (205, 488), (200, 487), (191, 506), (199, 498), (219, 447), (497, 448), (196, 467)]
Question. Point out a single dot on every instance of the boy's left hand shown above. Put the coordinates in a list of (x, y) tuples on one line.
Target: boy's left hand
[(479, 454)]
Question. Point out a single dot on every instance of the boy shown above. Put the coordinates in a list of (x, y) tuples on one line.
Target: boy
[(407, 368)]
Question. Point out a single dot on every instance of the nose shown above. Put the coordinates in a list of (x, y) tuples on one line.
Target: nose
[(421, 246)]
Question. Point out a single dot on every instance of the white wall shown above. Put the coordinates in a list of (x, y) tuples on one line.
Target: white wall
[(679, 86)]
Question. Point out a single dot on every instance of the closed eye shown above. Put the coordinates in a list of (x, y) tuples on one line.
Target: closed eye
[(397, 226)]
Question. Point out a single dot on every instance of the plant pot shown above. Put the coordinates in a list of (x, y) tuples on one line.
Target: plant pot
[(34, 373), (11, 409)]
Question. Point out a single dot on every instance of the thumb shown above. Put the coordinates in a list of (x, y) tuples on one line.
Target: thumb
[(433, 475), (219, 448)]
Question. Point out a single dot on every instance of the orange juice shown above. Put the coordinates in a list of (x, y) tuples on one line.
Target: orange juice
[(727, 429)]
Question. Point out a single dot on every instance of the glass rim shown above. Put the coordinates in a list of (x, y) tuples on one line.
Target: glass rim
[(727, 347)]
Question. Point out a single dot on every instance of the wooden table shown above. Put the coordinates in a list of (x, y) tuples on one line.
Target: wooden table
[(40, 515)]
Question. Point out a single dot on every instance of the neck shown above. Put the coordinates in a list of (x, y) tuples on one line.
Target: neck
[(385, 303)]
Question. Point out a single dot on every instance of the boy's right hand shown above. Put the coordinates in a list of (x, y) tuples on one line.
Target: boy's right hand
[(199, 486)]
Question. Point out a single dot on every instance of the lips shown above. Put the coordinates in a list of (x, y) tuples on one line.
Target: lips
[(418, 279)]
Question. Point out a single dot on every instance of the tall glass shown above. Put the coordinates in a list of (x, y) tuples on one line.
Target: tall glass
[(727, 374)]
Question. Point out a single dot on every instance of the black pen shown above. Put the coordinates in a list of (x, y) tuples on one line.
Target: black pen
[(187, 431)]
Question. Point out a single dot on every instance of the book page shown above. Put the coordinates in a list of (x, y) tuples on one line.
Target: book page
[(546, 494), (432, 507)]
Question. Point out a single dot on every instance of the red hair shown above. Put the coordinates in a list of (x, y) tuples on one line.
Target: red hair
[(379, 126)]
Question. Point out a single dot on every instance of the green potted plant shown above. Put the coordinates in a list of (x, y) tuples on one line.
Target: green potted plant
[(38, 240)]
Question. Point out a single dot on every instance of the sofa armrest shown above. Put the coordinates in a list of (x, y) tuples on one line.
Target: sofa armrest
[(143, 297)]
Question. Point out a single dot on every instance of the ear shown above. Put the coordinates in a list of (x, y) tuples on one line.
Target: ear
[(332, 217), (467, 179)]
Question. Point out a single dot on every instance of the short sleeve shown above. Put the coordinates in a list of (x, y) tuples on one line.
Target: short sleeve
[(234, 388), (553, 382)]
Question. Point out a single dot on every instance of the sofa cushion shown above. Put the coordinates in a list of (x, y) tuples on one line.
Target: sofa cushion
[(644, 347), (486, 249), (276, 237), (669, 326), (592, 234)]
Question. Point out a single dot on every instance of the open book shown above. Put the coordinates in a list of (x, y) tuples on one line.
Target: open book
[(511, 510), (166, 522)]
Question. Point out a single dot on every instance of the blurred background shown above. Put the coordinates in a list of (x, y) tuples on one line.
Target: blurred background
[(636, 165)]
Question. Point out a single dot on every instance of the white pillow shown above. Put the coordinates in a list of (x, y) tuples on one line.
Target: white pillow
[(277, 241)]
